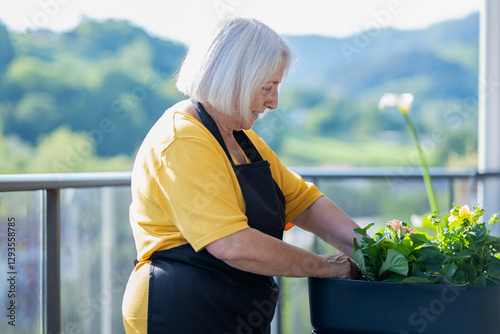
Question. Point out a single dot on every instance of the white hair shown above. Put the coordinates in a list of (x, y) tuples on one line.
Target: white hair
[(227, 73)]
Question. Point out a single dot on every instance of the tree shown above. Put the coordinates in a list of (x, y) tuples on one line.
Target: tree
[(7, 51), (64, 151)]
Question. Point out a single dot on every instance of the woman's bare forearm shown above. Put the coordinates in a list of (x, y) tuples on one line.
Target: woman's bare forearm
[(253, 251), (326, 220)]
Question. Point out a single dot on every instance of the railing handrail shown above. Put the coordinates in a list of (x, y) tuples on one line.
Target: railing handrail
[(22, 182), (17, 182), (386, 172)]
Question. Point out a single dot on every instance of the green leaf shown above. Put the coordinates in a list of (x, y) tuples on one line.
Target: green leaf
[(406, 247), (464, 254), (449, 270), (392, 245), (480, 281), (419, 280), (482, 232), (492, 281), (431, 258), (370, 276), (394, 262), (381, 237), (362, 231), (393, 277), (455, 223), (373, 251), (494, 269), (355, 244), (493, 241), (359, 258), (419, 238)]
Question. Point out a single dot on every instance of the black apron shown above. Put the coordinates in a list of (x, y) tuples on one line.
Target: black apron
[(196, 293)]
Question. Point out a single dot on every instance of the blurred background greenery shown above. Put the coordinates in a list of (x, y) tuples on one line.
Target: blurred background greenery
[(83, 100)]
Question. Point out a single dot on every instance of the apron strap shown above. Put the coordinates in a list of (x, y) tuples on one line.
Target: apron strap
[(241, 138), (247, 146), (209, 123)]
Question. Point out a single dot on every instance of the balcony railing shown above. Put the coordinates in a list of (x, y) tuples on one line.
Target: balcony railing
[(68, 250)]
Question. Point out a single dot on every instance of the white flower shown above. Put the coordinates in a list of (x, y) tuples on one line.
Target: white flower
[(403, 101)]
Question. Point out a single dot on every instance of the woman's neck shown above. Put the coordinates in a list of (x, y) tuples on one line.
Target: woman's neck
[(224, 122)]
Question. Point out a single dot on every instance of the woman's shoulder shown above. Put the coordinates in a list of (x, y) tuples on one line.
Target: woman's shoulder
[(176, 122), (186, 121), (185, 108)]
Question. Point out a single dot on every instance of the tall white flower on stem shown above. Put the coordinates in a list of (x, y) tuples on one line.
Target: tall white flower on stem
[(404, 103)]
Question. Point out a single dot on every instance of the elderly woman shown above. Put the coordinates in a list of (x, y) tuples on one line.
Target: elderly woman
[(210, 200)]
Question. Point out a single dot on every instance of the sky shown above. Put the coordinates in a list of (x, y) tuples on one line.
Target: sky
[(189, 20)]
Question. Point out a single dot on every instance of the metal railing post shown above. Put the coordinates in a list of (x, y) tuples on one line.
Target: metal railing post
[(52, 274), (107, 244)]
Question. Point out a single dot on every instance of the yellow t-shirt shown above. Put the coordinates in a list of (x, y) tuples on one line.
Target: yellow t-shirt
[(184, 189)]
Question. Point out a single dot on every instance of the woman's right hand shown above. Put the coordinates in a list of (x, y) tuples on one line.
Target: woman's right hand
[(256, 252), (339, 265)]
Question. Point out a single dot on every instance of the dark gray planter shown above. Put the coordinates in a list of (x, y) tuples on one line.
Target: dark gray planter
[(358, 307)]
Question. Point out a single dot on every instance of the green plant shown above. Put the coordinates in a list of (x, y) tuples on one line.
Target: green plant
[(463, 253), (470, 254), (398, 254)]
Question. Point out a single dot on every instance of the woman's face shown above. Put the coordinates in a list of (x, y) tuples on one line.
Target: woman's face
[(266, 98)]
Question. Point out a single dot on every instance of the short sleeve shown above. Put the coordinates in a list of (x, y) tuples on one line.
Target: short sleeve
[(201, 191)]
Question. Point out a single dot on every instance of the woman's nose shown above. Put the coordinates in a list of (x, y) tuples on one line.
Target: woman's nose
[(272, 101)]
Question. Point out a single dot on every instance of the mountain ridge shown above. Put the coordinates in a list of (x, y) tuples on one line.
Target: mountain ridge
[(113, 70), (323, 59)]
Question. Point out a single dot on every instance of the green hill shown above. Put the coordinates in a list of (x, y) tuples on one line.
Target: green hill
[(104, 84)]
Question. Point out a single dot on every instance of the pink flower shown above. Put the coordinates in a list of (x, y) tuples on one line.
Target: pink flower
[(395, 224), (400, 227)]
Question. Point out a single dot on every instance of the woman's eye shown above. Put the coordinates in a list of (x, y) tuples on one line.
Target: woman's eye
[(266, 88)]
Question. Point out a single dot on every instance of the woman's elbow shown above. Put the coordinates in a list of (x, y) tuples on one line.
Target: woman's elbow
[(228, 249)]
